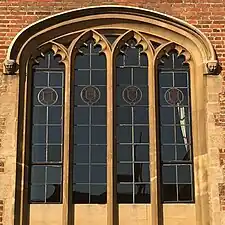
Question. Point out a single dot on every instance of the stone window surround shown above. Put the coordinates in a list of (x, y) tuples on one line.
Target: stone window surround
[(51, 33)]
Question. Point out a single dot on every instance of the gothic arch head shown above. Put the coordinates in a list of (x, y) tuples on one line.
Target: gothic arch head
[(54, 30)]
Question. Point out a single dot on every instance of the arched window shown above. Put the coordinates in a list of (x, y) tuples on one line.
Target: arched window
[(110, 107)]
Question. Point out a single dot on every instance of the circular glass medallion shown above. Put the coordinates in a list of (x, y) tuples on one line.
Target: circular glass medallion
[(174, 96), (90, 94), (47, 96), (132, 95)]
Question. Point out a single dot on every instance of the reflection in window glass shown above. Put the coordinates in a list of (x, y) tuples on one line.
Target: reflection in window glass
[(132, 134), (89, 162), (47, 121), (175, 129)]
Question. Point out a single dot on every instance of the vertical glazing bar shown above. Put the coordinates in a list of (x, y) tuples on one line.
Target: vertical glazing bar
[(67, 189)]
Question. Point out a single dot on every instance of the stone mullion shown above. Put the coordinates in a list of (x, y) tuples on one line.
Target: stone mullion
[(67, 182), (156, 206)]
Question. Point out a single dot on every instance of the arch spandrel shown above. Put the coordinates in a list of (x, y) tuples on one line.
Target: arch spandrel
[(152, 22)]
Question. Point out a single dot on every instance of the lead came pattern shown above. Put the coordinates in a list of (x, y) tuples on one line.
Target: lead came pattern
[(89, 162), (175, 129), (46, 147), (133, 179)]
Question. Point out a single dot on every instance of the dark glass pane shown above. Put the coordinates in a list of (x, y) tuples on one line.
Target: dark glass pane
[(98, 135), (169, 174), (80, 174), (182, 134), (124, 153), (120, 60), (178, 60), (82, 77), (123, 76), (123, 115), (167, 134), (53, 193), (78, 100), (124, 134), (81, 154), (81, 115), (124, 193), (132, 56), (183, 152), (141, 172), (38, 153), (95, 50), (59, 93), (141, 134), (37, 193), (144, 59), (43, 62), (167, 115), (98, 115), (98, 174), (184, 174), (54, 153), (140, 115), (54, 134), (82, 62), (142, 193), (55, 61), (98, 62), (98, 153), (140, 76), (185, 96), (102, 100), (80, 193), (168, 152), (98, 194), (162, 100), (81, 135), (185, 192), (54, 115), (39, 115), (98, 77), (141, 153), (55, 79), (144, 97), (124, 172), (53, 174), (40, 78), (169, 192), (165, 79), (168, 62), (38, 174), (180, 79), (38, 134)]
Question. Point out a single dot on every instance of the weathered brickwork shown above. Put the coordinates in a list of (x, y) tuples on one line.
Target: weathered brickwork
[(1, 212)]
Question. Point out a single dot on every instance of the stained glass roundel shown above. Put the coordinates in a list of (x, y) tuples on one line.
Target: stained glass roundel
[(47, 96), (132, 94), (90, 94), (174, 96)]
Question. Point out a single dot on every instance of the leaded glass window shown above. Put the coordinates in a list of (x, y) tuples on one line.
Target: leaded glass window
[(47, 130), (89, 164), (132, 125), (111, 136), (175, 128)]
